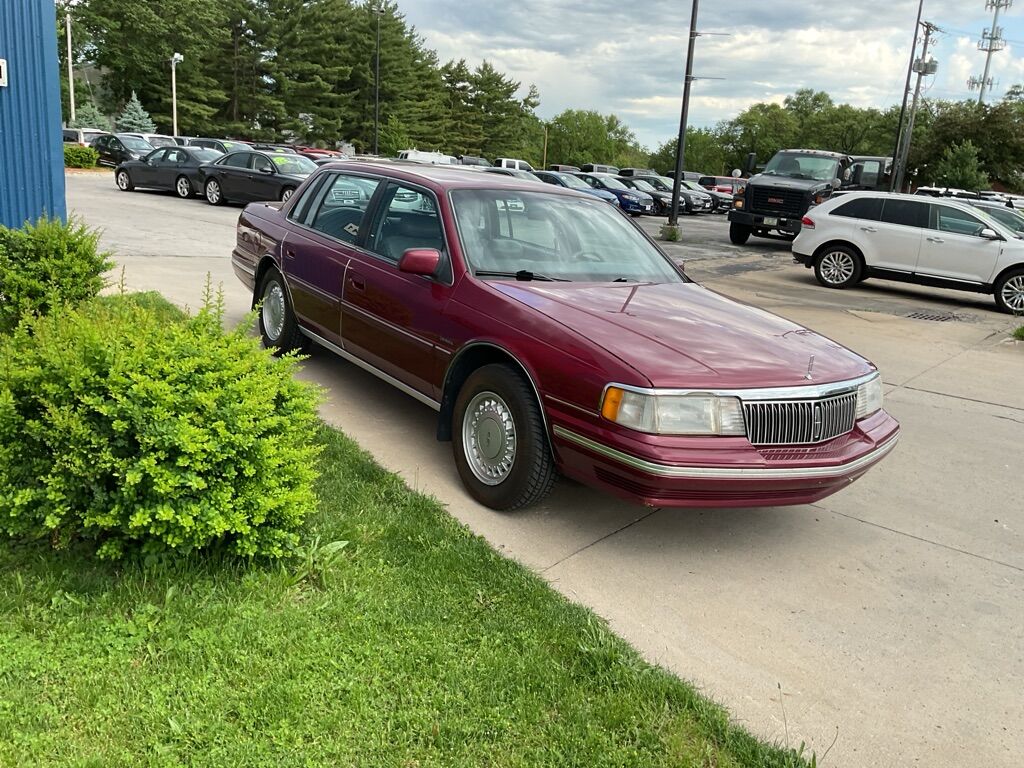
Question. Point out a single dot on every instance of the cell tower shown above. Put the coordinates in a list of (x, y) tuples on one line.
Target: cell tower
[(991, 42)]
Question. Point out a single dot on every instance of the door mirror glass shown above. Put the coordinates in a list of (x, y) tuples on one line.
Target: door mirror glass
[(420, 261)]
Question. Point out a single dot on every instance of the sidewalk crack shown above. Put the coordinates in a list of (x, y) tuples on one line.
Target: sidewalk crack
[(598, 541)]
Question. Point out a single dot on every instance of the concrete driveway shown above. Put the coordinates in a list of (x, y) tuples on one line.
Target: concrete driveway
[(889, 618)]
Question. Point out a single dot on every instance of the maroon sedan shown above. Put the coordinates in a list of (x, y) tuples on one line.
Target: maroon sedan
[(553, 336)]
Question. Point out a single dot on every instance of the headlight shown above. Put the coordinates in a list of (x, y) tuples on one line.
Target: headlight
[(674, 414), (869, 397), (737, 203), (632, 198), (615, 201)]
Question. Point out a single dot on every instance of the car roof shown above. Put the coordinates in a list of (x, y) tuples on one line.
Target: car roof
[(822, 152)]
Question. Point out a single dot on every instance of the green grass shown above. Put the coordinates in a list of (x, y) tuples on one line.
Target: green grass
[(1019, 333), (414, 645)]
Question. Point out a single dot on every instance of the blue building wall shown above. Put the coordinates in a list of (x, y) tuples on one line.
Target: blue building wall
[(31, 145)]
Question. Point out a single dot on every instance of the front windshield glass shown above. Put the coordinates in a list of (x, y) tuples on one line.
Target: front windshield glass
[(797, 165), (295, 164), (643, 186), (575, 182), (163, 141), (612, 183), (133, 142), (662, 183), (553, 237)]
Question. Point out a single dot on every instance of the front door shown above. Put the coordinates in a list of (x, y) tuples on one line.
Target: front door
[(391, 319), (233, 172), (954, 249), (146, 171), (263, 183)]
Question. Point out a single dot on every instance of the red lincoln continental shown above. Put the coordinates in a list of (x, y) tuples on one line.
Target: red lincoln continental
[(553, 336)]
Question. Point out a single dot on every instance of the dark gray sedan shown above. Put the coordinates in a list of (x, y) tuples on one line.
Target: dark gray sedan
[(174, 168), (247, 176)]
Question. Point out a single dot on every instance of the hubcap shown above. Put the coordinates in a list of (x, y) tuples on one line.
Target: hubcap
[(489, 438), (1013, 293), (183, 188), (273, 311), (286, 195), (213, 192), (837, 267), (122, 180)]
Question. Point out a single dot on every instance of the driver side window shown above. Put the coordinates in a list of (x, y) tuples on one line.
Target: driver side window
[(955, 221), (262, 164)]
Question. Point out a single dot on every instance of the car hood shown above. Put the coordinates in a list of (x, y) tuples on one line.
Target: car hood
[(685, 336), (636, 192), (604, 194), (785, 182)]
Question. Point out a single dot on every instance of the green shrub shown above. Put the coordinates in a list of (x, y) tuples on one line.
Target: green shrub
[(133, 431), (77, 156), (1019, 334), (45, 264)]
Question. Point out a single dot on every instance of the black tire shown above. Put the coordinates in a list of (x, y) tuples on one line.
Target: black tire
[(1009, 292), (286, 194), (123, 179), (278, 327), (213, 192), (838, 266), (183, 187), (498, 393), (739, 233)]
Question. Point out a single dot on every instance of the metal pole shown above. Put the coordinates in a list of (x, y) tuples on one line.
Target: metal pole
[(174, 97), (906, 95), (376, 90), (544, 162), (673, 217), (71, 71), (991, 50), (928, 28)]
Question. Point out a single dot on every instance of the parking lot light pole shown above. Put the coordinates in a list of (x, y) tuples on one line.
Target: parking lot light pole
[(378, 12), (71, 71), (176, 59), (673, 218)]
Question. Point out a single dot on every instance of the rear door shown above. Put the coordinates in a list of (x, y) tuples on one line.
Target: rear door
[(894, 241), (954, 249)]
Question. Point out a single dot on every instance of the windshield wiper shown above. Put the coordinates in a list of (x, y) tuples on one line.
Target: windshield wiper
[(523, 275)]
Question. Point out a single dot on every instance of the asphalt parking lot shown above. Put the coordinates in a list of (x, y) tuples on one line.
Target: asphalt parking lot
[(891, 614)]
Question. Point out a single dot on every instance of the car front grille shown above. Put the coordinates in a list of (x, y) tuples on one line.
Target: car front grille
[(787, 202), (800, 422)]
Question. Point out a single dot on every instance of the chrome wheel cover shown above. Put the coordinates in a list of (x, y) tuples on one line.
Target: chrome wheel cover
[(489, 438), (287, 195), (183, 187), (213, 192), (122, 180), (273, 310), (1013, 293), (837, 267)]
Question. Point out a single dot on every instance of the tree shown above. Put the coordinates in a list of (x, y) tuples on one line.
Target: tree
[(960, 167), (135, 118), (88, 116), (394, 137)]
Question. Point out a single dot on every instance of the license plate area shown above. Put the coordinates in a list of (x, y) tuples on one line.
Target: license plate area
[(771, 221)]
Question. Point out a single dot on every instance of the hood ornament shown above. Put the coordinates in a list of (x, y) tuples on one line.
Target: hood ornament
[(810, 369)]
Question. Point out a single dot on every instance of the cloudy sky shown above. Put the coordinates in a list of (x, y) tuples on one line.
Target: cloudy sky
[(628, 57)]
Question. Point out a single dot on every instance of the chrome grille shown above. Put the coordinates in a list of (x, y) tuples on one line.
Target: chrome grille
[(800, 422)]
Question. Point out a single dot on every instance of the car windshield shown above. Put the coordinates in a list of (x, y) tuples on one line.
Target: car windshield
[(133, 142), (612, 183), (294, 164), (572, 181), (206, 155), (643, 186), (662, 183), (797, 165), (539, 236), (88, 136), (163, 141)]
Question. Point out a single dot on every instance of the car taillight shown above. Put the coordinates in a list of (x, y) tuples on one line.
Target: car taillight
[(808, 222)]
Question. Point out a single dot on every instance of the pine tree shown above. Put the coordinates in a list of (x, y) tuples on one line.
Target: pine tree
[(135, 118), (87, 115), (961, 168)]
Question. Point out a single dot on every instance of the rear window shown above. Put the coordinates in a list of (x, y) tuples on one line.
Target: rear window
[(908, 213), (869, 208)]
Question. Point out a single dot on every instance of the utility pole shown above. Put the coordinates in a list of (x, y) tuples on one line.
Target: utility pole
[(673, 218), (176, 59), (991, 42), (378, 12), (71, 71), (922, 66), (906, 95), (544, 162)]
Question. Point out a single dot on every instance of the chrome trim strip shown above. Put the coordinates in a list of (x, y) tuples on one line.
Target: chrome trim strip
[(235, 261), (575, 407), (738, 473), (399, 385), (809, 392)]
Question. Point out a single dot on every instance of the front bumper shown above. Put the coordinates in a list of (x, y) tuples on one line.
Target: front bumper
[(790, 226), (631, 206), (721, 472)]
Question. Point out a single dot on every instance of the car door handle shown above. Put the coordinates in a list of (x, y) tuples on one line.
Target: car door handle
[(936, 240), (289, 253), (868, 229), (357, 284)]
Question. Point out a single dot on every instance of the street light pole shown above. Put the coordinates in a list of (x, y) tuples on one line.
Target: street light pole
[(176, 59), (376, 87), (673, 218), (71, 71)]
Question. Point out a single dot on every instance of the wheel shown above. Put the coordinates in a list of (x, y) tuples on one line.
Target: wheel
[(838, 267), (214, 196), (124, 181), (500, 446), (1010, 292), (739, 233), (278, 326), (287, 193), (183, 187)]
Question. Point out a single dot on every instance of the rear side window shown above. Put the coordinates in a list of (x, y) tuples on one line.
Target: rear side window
[(342, 206), (908, 213), (869, 208)]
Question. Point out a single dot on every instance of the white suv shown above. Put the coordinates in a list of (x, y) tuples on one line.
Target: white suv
[(938, 242)]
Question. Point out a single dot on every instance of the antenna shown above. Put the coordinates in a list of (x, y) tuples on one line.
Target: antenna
[(991, 42)]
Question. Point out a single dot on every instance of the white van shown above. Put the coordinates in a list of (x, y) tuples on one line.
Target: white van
[(430, 158), (516, 165)]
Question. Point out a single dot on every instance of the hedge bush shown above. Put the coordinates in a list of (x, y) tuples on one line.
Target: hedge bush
[(77, 156), (134, 431), (46, 264)]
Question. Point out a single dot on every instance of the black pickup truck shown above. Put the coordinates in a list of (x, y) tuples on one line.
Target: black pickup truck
[(773, 203)]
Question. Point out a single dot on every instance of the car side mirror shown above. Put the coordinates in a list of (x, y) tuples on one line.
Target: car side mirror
[(266, 170), (836, 183), (420, 261), (990, 234)]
